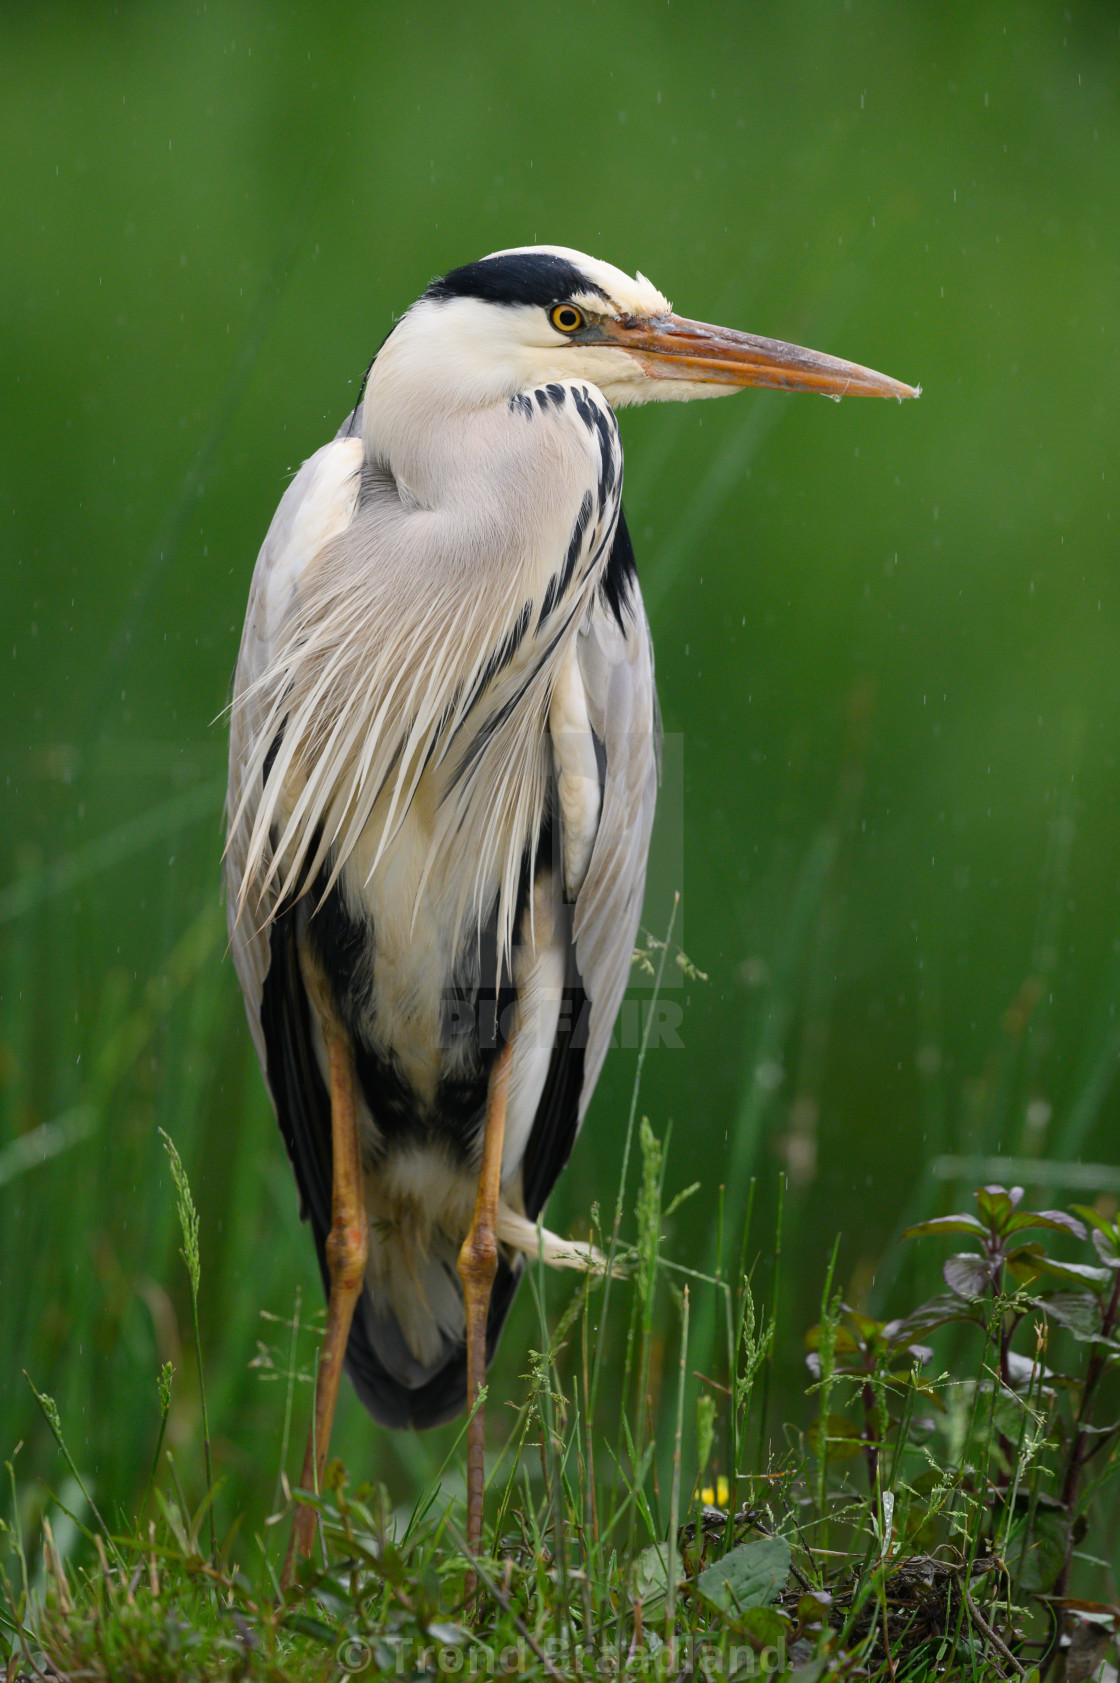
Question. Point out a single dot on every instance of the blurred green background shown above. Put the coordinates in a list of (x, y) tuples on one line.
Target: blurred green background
[(886, 637)]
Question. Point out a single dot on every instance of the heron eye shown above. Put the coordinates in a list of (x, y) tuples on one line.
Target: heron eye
[(566, 318)]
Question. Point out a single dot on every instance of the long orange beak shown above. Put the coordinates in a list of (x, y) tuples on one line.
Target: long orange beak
[(670, 347)]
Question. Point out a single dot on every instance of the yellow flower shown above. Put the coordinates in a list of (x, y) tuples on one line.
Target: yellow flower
[(719, 1497)]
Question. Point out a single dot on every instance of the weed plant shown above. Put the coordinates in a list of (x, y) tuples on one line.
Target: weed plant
[(942, 1510)]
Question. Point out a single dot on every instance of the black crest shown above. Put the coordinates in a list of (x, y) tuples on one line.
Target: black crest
[(521, 277)]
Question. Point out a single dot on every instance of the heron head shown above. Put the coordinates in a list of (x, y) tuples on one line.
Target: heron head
[(532, 314)]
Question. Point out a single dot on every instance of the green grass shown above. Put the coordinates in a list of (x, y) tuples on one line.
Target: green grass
[(935, 1510), (871, 1514)]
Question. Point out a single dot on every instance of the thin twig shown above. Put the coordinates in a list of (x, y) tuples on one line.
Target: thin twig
[(990, 1635)]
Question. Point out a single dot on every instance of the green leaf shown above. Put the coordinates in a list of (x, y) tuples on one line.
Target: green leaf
[(1006, 1415), (1025, 1262), (814, 1671), (306, 1625), (996, 1205), (651, 1573), (1096, 1220), (947, 1224), (842, 1439), (750, 1576), (175, 1525), (843, 1342), (930, 1394), (763, 1627), (1046, 1552), (867, 1328), (1058, 1220), (813, 1607)]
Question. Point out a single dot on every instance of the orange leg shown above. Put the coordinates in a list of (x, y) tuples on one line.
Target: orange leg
[(478, 1263), (347, 1250)]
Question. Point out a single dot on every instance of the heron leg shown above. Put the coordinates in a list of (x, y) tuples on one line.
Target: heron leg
[(478, 1263), (347, 1249)]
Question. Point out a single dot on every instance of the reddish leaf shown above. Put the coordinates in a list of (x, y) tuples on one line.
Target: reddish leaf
[(968, 1274), (919, 1353), (1107, 1249), (937, 1312), (1056, 1219), (1078, 1311), (947, 1224), (1075, 1271), (1024, 1371)]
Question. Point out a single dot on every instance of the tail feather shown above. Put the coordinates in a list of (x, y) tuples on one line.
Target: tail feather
[(396, 1388), (406, 1355)]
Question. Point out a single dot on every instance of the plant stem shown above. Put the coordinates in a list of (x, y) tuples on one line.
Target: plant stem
[(764, 1405), (1077, 1459), (990, 1635), (675, 1491), (870, 1445), (1077, 1454)]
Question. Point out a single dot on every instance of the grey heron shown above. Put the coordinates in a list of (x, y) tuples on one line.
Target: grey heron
[(443, 765)]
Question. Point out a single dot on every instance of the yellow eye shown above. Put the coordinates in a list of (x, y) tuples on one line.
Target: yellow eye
[(566, 318)]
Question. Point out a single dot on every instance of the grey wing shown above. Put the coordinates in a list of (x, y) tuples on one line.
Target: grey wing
[(616, 663), (316, 506), (616, 668)]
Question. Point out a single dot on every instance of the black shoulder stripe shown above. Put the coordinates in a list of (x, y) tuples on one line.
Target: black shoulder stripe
[(559, 582), (620, 574)]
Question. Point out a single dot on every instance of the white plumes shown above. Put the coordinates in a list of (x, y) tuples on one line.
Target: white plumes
[(532, 1239), (365, 702), (379, 688)]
